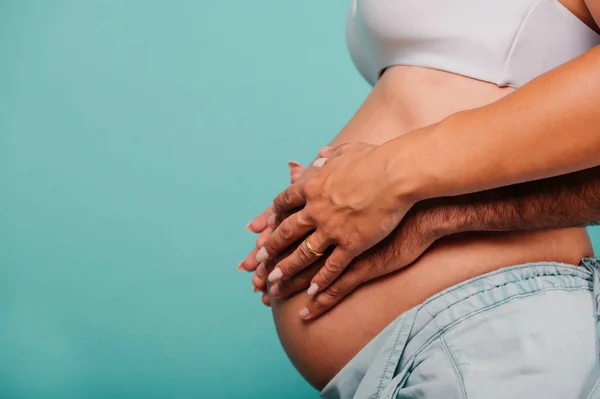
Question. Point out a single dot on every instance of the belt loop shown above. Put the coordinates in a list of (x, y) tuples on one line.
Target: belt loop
[(591, 389)]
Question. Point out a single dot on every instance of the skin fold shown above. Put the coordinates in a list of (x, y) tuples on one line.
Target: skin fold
[(419, 114)]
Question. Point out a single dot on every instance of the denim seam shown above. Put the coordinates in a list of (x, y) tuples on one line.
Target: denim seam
[(387, 363), (468, 316), (495, 287), (573, 271), (594, 389), (459, 375), (424, 306)]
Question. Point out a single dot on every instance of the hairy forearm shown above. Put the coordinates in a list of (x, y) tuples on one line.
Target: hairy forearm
[(570, 200), (549, 127)]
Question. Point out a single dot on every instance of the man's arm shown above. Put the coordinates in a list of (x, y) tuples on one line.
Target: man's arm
[(571, 200)]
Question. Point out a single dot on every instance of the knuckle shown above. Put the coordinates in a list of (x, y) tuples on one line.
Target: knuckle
[(303, 255), (345, 240), (285, 231), (312, 188), (272, 243), (319, 305), (333, 266), (304, 218), (286, 197), (334, 291)]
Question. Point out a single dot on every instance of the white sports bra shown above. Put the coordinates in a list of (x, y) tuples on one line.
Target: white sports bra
[(506, 42)]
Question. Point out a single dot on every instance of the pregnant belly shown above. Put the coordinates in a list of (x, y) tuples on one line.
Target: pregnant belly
[(406, 98)]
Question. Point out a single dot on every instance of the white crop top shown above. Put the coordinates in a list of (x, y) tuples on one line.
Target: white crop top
[(506, 42)]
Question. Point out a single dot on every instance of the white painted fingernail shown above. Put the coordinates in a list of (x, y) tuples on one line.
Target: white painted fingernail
[(262, 255), (274, 291), (271, 220), (261, 271), (312, 290), (248, 227), (319, 162), (240, 268), (304, 313), (275, 275)]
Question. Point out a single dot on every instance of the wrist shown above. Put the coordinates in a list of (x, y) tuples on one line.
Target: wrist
[(409, 167), (425, 163)]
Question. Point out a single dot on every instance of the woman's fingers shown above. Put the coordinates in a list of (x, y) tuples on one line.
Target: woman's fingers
[(332, 295), (296, 171), (259, 223), (290, 230), (265, 300), (298, 283), (330, 152), (334, 266), (259, 278), (290, 199), (308, 252), (249, 263), (262, 237)]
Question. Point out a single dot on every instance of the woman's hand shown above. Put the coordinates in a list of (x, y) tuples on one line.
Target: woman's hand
[(260, 225), (351, 203), (420, 228)]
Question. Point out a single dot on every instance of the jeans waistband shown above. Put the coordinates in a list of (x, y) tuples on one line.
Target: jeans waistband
[(410, 333)]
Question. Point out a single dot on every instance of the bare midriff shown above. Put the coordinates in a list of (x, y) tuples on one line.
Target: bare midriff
[(406, 98)]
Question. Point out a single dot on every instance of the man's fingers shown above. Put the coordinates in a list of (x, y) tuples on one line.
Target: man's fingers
[(290, 199), (291, 229), (308, 252), (334, 266), (332, 295)]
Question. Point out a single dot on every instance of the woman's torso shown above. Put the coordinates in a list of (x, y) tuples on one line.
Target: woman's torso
[(405, 98)]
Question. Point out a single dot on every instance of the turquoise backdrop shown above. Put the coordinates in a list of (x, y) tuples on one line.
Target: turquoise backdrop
[(137, 138)]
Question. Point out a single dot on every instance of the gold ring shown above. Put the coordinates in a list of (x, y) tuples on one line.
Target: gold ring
[(310, 249)]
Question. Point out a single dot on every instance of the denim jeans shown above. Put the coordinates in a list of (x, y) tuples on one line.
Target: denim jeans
[(526, 331)]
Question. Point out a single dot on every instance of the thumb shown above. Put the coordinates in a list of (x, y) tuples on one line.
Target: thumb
[(296, 170)]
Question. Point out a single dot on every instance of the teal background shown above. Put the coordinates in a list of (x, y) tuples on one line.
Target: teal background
[(137, 138)]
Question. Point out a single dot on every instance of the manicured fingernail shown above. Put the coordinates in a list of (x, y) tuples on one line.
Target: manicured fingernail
[(262, 255), (275, 275), (304, 313), (255, 289), (319, 162), (294, 164), (271, 220), (248, 227), (240, 268), (261, 271), (312, 290), (274, 290)]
